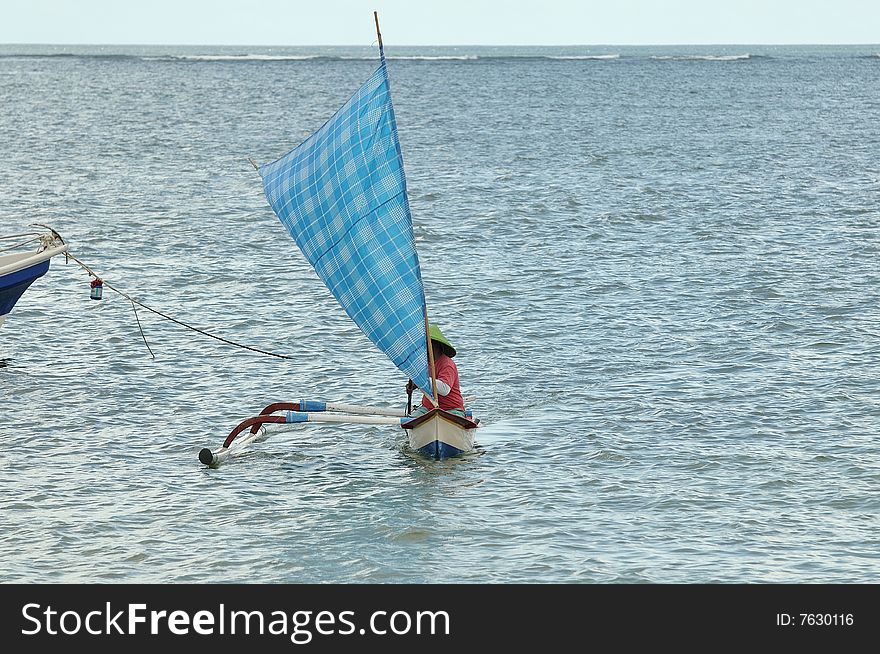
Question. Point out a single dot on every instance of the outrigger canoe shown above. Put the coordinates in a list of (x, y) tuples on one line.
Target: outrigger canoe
[(341, 195)]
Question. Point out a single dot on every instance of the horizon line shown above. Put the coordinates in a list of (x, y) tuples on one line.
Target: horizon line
[(441, 45)]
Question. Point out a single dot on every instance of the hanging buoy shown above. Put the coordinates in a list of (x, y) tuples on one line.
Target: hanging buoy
[(97, 288)]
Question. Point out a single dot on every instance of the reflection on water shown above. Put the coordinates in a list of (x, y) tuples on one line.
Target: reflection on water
[(417, 461)]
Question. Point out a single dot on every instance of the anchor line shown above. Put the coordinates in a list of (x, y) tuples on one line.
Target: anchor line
[(167, 317)]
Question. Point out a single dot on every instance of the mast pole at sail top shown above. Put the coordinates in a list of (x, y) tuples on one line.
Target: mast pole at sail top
[(379, 34)]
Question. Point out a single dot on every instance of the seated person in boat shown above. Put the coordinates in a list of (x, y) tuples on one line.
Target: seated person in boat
[(448, 389)]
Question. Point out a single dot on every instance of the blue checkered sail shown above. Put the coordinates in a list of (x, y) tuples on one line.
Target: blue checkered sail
[(342, 196)]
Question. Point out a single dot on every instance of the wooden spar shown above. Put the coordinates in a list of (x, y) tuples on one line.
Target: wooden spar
[(378, 33), (431, 367)]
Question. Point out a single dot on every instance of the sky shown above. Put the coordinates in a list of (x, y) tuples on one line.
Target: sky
[(440, 22)]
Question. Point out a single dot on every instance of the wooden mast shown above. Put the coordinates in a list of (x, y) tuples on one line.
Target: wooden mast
[(378, 33), (432, 368)]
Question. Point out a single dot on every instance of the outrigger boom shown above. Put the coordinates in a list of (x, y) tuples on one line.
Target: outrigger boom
[(270, 420)]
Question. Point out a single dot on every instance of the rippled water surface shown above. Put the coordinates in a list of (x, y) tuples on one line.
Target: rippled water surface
[(660, 267)]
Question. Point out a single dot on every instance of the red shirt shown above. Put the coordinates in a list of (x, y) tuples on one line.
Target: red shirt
[(448, 373)]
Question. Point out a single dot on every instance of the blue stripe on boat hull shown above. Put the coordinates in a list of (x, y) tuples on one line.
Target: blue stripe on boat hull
[(439, 450), (14, 284)]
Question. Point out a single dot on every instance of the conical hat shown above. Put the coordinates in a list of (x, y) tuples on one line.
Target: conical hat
[(437, 335)]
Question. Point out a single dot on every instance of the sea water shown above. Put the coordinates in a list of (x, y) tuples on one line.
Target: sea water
[(660, 267)]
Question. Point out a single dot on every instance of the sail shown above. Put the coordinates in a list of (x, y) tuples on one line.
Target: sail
[(342, 196)]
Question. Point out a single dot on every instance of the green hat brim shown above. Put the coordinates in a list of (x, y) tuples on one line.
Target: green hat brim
[(437, 335)]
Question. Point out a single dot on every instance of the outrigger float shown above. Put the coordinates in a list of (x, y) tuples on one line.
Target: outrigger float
[(341, 195)]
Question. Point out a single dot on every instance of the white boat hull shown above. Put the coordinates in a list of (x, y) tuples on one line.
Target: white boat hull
[(440, 435), (19, 271)]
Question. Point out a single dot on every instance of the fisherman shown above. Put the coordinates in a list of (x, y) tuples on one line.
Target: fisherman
[(448, 389)]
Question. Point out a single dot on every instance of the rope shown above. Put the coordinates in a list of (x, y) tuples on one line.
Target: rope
[(18, 245), (8, 236), (174, 320), (143, 336)]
